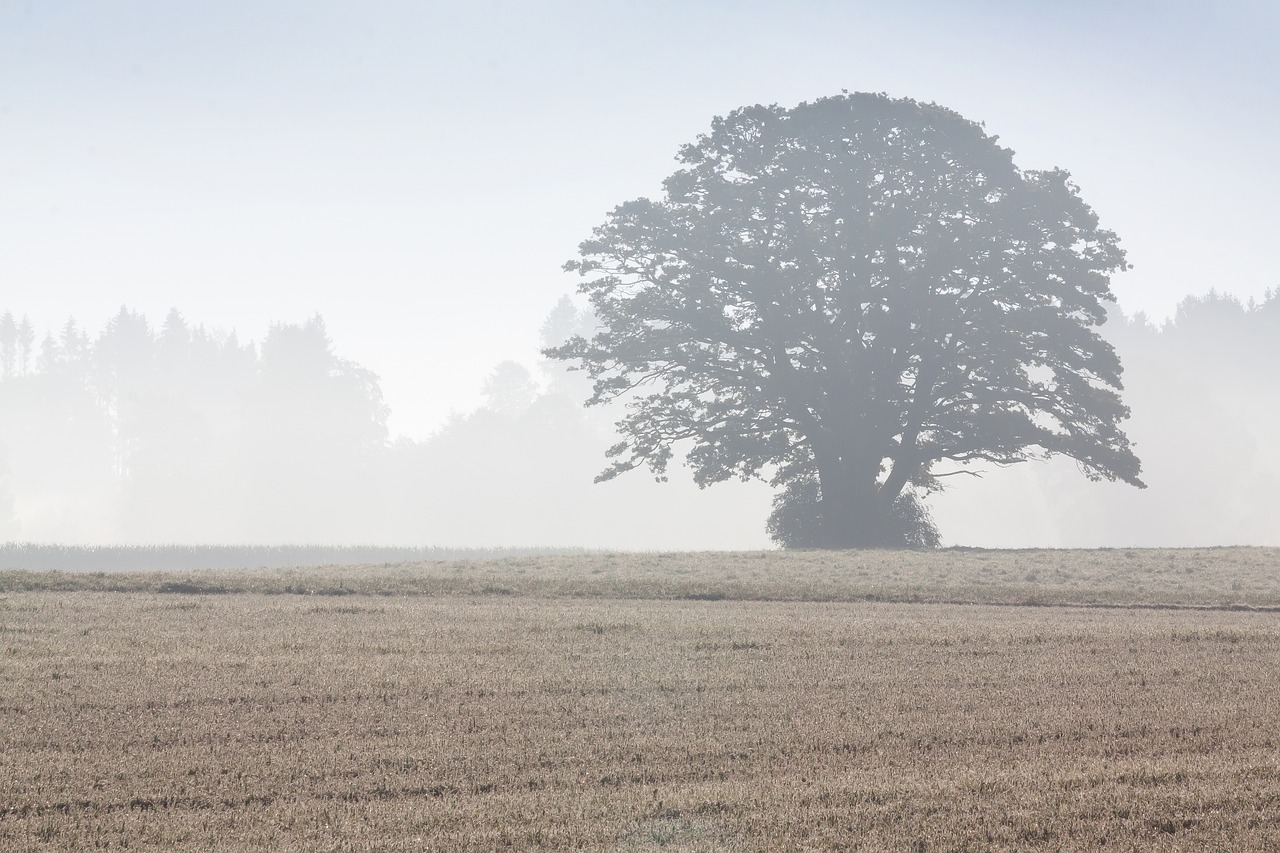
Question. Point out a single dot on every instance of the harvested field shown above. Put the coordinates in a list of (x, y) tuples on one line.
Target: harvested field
[(521, 721)]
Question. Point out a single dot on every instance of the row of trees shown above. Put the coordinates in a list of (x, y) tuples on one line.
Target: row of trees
[(17, 340), (180, 434), (183, 433)]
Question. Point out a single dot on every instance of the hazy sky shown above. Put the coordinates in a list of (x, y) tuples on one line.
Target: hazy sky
[(417, 172)]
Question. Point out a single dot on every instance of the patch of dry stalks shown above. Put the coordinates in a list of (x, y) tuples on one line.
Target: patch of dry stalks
[(498, 722)]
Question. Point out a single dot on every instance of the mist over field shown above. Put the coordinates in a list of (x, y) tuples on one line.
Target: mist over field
[(169, 432), (337, 234), (179, 434)]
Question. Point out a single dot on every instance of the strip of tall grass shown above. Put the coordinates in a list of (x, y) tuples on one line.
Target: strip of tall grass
[(1216, 578), (142, 558)]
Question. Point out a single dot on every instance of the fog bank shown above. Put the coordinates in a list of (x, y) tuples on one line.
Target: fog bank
[(177, 434)]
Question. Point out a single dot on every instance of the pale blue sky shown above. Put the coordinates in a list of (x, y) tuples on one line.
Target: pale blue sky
[(417, 172)]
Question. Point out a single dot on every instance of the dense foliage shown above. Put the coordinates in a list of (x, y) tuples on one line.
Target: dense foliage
[(842, 296)]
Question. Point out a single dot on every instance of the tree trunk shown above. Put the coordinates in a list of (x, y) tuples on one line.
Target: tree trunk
[(854, 514)]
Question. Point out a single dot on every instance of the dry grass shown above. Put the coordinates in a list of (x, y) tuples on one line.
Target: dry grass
[(1214, 577), (482, 722)]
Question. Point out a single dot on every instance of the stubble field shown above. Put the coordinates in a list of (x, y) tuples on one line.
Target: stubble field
[(548, 705)]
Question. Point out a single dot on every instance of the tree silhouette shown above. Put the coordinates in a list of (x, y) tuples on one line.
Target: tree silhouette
[(313, 434), (50, 356), (8, 344), (173, 482), (125, 379), (843, 295), (26, 340), (76, 350), (566, 320), (510, 390), (61, 471)]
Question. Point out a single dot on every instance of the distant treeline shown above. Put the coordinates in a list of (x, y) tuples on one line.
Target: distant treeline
[(1204, 390), (177, 433), (184, 435), (121, 558)]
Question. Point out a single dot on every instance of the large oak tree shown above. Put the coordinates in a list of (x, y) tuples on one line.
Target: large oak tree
[(855, 297)]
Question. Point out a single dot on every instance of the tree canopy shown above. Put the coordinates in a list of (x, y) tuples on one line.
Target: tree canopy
[(854, 298)]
